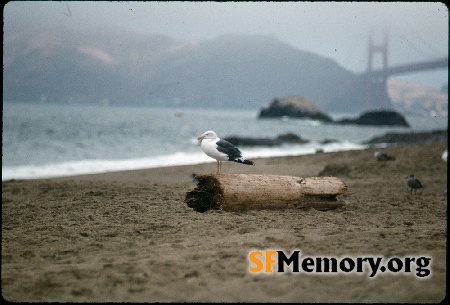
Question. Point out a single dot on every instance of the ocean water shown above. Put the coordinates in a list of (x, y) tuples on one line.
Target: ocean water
[(42, 140)]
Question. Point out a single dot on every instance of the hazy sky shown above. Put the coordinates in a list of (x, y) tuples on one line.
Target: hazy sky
[(418, 31)]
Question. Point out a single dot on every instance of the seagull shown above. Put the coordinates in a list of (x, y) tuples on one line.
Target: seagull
[(220, 150), (414, 183), (381, 156)]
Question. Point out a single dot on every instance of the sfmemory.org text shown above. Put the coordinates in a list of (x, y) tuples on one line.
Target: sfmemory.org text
[(264, 261)]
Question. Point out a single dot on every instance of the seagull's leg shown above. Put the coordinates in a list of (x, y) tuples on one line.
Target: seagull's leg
[(218, 167)]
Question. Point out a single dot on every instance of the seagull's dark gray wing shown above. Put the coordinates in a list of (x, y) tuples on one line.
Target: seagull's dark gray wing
[(419, 184), (229, 149), (414, 183)]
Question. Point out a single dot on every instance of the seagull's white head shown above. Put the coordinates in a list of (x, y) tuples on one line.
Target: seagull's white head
[(210, 135)]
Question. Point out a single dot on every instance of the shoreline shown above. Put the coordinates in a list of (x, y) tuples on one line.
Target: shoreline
[(128, 236), (185, 173), (168, 161), (387, 139)]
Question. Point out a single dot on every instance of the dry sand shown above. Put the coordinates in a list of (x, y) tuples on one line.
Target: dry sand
[(129, 236)]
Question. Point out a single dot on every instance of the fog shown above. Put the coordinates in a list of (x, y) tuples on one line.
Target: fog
[(417, 31)]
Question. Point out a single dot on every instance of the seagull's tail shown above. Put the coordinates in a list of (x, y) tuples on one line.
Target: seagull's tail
[(243, 161)]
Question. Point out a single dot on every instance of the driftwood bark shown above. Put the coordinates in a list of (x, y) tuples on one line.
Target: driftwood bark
[(245, 192)]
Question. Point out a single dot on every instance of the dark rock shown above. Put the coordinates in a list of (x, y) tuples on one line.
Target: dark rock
[(425, 137), (378, 118), (288, 138), (244, 141), (294, 107), (328, 141), (291, 138)]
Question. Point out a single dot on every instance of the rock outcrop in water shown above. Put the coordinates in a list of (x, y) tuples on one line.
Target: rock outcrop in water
[(302, 108), (423, 137), (294, 107), (287, 138), (377, 118)]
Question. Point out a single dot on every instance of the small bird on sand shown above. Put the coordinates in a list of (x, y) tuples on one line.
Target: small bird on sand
[(381, 156), (221, 150), (414, 183)]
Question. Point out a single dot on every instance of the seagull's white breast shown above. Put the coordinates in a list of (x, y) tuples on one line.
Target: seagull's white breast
[(209, 147)]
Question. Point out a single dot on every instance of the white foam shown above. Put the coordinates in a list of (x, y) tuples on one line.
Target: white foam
[(303, 149), (99, 166)]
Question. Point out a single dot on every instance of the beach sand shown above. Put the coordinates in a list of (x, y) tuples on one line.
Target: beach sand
[(129, 237)]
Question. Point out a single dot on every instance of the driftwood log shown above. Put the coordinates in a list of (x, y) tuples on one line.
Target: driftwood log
[(245, 192)]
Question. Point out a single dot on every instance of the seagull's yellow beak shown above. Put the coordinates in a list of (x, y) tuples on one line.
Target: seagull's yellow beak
[(200, 137)]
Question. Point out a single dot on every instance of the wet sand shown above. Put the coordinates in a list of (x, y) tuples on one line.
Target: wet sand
[(129, 237)]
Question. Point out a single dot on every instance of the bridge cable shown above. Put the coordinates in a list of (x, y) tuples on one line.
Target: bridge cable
[(437, 53), (421, 52)]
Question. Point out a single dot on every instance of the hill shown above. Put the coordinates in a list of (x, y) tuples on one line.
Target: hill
[(68, 65)]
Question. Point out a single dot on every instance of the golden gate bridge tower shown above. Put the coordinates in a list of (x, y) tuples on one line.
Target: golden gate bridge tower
[(375, 95), (371, 87)]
